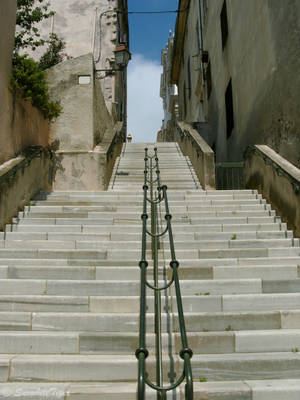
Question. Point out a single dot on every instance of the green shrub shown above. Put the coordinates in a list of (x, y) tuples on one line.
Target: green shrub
[(31, 81), (53, 55)]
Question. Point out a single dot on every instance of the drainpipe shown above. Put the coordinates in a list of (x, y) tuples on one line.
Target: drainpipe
[(201, 41)]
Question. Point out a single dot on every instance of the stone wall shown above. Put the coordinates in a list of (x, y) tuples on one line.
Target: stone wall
[(85, 118), (199, 153), (82, 132), (7, 31), (21, 125), (20, 179), (277, 180), (88, 170)]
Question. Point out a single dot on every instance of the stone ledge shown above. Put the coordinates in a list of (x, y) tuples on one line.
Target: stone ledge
[(278, 181)]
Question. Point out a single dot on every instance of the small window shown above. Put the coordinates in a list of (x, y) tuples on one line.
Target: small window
[(229, 110), (224, 25), (208, 80)]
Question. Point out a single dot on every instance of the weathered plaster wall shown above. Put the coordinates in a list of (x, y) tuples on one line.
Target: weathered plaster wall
[(7, 31), (83, 133), (85, 118), (199, 153), (89, 26), (262, 57), (73, 129), (278, 181), (102, 119), (28, 126), (21, 125), (26, 182)]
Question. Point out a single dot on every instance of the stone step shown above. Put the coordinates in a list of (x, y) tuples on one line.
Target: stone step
[(124, 254), (184, 263), (85, 304), (254, 341), (135, 229), (203, 302), (279, 389), (66, 368), (126, 273), (138, 195), (214, 367), (72, 391), (225, 321), (137, 205), (74, 273), (76, 321), (187, 220), (39, 342), (137, 200), (207, 254), (237, 321), (136, 214), (192, 236), (136, 245), (101, 368), (87, 193), (131, 287)]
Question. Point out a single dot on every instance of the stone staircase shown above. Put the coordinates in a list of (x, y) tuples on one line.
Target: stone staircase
[(69, 291)]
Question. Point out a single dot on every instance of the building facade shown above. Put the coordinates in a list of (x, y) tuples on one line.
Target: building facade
[(98, 27), (91, 86), (168, 92), (236, 64)]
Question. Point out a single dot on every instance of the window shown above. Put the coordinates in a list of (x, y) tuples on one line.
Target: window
[(189, 77), (224, 25), (229, 110), (208, 80)]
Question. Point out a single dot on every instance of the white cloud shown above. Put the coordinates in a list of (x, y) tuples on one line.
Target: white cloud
[(145, 110)]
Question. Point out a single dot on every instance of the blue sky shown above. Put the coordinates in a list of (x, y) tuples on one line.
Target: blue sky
[(149, 33), (148, 36)]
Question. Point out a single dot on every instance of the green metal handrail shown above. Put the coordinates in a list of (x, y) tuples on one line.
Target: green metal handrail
[(151, 163)]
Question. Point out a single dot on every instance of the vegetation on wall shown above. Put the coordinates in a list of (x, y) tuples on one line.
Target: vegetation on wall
[(53, 55), (31, 81), (29, 76)]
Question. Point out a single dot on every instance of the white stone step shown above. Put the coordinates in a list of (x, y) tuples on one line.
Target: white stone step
[(279, 389), (247, 366), (136, 229), (39, 342), (136, 245), (93, 304), (135, 214)]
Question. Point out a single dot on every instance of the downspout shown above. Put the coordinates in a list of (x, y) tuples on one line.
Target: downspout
[(201, 41)]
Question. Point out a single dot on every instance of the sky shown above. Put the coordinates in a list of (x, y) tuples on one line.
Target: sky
[(148, 36)]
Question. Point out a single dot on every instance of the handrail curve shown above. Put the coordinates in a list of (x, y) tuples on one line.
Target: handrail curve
[(142, 353)]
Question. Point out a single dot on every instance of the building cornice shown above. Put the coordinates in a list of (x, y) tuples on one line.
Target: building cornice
[(180, 29)]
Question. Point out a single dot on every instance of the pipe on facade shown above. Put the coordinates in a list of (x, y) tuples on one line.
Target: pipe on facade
[(201, 41)]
